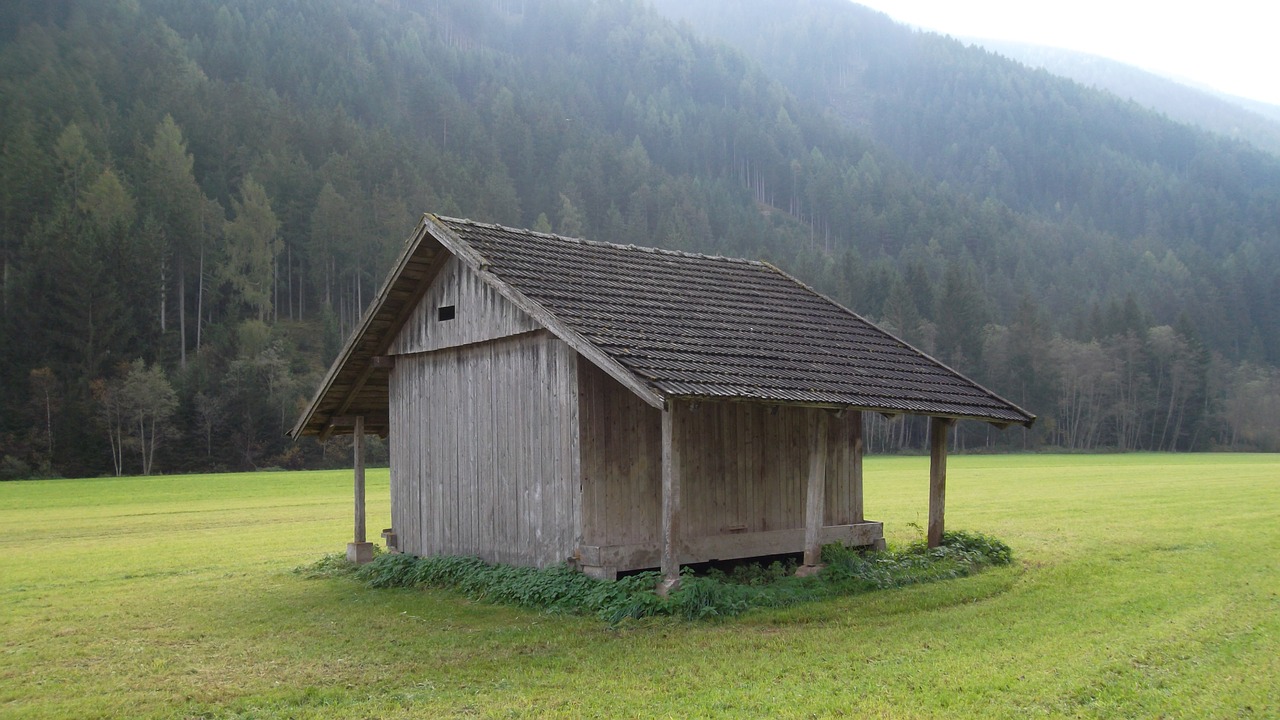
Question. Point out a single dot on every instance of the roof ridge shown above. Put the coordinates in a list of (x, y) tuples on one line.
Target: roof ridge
[(601, 243)]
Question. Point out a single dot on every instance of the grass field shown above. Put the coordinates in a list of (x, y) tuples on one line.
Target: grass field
[(1146, 586)]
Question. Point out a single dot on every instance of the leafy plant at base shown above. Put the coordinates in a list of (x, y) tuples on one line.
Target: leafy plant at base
[(561, 589), (960, 554), (330, 566)]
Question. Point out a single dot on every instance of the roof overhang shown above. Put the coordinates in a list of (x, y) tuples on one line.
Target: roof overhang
[(356, 383)]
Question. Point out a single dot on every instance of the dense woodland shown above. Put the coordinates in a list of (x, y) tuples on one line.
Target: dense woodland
[(1238, 118), (198, 199)]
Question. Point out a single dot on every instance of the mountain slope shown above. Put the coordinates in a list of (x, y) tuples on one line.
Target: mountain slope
[(1229, 117), (203, 196), (1046, 147)]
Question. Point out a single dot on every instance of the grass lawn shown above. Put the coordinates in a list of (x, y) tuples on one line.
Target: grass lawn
[(1145, 586)]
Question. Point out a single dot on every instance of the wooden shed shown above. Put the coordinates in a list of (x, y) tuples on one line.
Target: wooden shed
[(549, 399)]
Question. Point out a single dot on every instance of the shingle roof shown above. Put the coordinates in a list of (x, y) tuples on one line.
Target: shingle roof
[(715, 327), (672, 324)]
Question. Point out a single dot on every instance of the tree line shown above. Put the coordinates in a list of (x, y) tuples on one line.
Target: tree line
[(199, 200)]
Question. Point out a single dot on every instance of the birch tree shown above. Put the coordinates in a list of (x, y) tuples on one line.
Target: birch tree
[(149, 404), (47, 400), (107, 397)]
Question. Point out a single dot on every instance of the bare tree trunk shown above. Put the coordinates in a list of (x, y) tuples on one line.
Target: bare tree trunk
[(117, 453), (182, 314), (116, 440), (200, 299), (48, 424), (151, 449), (164, 279), (142, 444)]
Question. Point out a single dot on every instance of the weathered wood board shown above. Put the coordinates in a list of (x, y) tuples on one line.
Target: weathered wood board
[(485, 461), (743, 471)]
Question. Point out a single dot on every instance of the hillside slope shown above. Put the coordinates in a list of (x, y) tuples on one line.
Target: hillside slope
[(1234, 118), (198, 199), (1131, 188)]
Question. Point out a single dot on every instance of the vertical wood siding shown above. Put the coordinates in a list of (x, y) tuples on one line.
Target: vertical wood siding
[(481, 313), (484, 456), (746, 466), (743, 465), (621, 445)]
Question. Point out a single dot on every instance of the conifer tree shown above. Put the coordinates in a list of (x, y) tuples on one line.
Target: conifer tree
[(252, 245)]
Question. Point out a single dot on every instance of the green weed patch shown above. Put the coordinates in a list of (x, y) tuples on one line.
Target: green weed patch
[(716, 594)]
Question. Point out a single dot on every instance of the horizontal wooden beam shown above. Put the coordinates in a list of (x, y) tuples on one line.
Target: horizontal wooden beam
[(729, 546)]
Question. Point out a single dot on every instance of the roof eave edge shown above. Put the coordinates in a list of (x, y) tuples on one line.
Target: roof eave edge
[(1030, 418), (1002, 423)]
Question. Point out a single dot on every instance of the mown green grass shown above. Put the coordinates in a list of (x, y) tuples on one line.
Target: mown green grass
[(1146, 586)]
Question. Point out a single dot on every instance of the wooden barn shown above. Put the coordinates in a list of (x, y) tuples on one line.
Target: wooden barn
[(550, 399)]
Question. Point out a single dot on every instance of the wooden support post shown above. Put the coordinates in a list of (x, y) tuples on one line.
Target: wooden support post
[(359, 550), (357, 446), (855, 427), (670, 502), (937, 477), (816, 496)]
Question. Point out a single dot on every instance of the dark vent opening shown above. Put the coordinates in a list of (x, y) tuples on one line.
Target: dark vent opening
[(445, 312)]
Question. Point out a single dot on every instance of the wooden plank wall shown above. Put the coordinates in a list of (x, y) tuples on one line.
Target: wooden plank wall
[(481, 313), (621, 440), (485, 451), (744, 466)]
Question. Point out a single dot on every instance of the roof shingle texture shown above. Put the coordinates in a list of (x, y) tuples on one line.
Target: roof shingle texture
[(712, 327)]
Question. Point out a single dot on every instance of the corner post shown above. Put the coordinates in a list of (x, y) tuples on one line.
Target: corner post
[(670, 502), (937, 477), (815, 497), (855, 425), (359, 551)]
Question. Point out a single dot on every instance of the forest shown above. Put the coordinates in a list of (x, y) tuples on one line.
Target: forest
[(199, 198)]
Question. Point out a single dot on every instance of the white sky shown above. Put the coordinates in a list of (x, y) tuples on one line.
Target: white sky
[(1230, 45)]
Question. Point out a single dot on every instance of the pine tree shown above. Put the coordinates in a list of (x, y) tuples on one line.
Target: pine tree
[(175, 200), (252, 245)]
